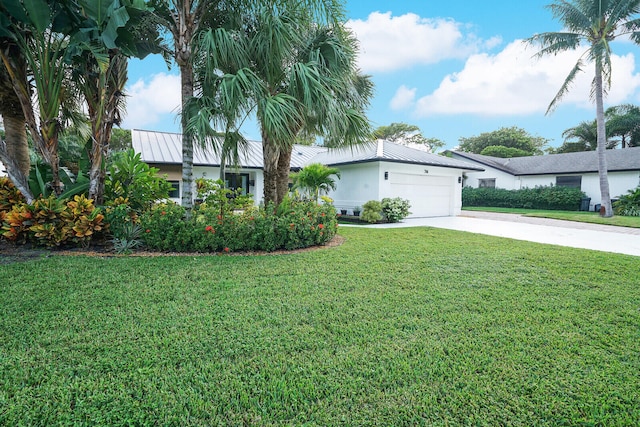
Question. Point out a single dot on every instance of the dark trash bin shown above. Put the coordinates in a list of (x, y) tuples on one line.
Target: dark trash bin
[(596, 208), (584, 204)]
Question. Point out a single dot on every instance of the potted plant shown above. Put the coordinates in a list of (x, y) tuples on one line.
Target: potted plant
[(343, 211), (356, 211)]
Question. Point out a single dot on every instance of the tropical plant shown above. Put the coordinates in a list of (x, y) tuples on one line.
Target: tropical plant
[(315, 179), (504, 152), (596, 23), (628, 204), (623, 121), (295, 68), (131, 178), (185, 20)]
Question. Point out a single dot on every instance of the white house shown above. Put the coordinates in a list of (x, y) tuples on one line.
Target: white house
[(431, 183), (578, 170)]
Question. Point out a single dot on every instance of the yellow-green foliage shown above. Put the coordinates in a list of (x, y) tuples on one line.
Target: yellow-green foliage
[(52, 222)]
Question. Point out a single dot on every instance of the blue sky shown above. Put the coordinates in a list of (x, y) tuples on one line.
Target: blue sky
[(455, 69)]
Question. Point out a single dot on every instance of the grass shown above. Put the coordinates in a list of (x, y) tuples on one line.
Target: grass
[(590, 217), (395, 327)]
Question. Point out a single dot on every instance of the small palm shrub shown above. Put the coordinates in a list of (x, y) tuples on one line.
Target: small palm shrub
[(396, 209), (628, 204), (372, 211)]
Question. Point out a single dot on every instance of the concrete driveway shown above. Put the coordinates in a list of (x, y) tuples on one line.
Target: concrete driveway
[(604, 238)]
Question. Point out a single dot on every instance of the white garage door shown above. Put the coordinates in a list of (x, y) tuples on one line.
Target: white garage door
[(429, 195)]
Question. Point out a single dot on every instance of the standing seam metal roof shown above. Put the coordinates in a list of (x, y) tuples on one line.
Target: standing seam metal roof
[(163, 147)]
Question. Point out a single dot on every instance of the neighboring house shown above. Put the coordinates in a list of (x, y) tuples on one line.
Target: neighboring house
[(578, 170), (431, 183)]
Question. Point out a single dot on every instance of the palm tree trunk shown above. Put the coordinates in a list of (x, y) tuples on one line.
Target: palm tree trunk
[(270, 154), (284, 170), (602, 140), (16, 140), (186, 78)]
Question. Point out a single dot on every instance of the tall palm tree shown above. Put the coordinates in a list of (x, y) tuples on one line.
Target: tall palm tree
[(595, 23), (296, 73), (315, 179)]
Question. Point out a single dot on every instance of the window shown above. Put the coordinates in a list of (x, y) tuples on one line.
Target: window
[(487, 183), (174, 193), (573, 181), (237, 180)]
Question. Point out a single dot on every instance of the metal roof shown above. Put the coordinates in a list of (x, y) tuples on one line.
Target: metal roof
[(166, 148), (626, 159)]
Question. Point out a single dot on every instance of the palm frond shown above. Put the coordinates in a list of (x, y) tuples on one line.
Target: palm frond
[(565, 85)]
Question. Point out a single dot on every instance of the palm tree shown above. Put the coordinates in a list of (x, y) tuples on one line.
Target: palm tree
[(624, 121), (295, 73), (583, 137), (315, 179), (596, 23)]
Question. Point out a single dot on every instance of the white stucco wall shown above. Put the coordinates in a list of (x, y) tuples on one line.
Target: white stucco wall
[(358, 184), (362, 182), (503, 179)]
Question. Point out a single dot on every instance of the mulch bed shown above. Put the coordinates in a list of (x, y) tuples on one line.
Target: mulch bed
[(10, 253)]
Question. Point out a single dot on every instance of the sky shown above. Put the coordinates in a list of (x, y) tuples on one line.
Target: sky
[(455, 69)]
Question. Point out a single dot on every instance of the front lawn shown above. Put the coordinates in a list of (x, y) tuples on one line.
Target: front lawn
[(395, 327), (590, 217)]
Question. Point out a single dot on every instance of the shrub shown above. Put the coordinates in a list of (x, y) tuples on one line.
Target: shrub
[(53, 222), (541, 197), (372, 211), (131, 178), (292, 225), (396, 209), (628, 204)]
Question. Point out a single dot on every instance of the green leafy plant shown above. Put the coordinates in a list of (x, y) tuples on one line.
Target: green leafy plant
[(293, 224), (540, 197), (372, 211), (315, 179), (131, 178), (628, 204), (128, 239), (396, 209)]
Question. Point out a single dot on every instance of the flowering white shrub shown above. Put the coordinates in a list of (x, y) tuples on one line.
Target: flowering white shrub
[(395, 209)]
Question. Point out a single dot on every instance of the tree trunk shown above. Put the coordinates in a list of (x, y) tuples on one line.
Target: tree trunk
[(16, 140), (284, 170), (270, 155), (602, 141), (186, 78)]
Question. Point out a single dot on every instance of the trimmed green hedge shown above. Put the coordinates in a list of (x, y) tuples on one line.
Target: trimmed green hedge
[(292, 225), (543, 197)]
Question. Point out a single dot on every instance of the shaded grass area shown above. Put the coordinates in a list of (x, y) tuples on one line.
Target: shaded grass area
[(395, 327), (590, 217)]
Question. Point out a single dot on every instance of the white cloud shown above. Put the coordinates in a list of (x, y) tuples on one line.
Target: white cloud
[(403, 98), (149, 101), (513, 83), (390, 43)]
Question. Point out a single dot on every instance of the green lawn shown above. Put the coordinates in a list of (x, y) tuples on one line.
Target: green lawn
[(591, 217), (394, 327)]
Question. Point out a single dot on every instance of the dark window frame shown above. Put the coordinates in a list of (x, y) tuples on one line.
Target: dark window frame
[(482, 182), (174, 193), (235, 180), (571, 181)]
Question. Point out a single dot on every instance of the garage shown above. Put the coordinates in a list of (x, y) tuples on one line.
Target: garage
[(429, 195)]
